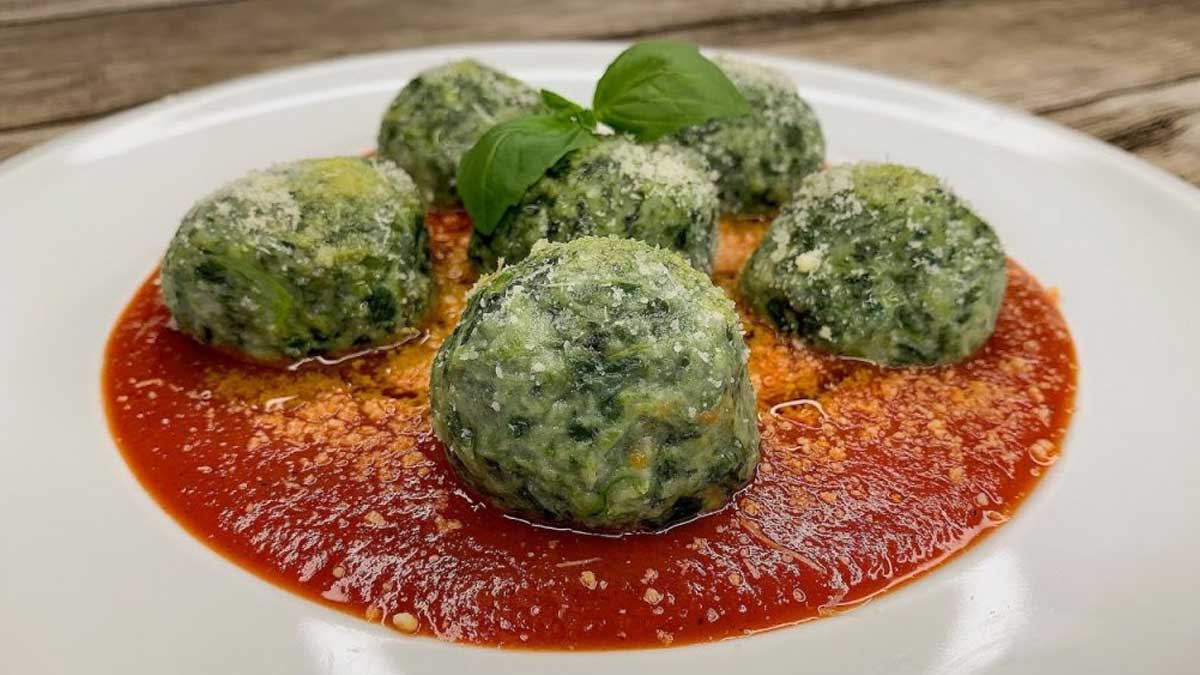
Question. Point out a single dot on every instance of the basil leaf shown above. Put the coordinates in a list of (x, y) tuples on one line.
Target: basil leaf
[(566, 107), (495, 173), (658, 87), (560, 103)]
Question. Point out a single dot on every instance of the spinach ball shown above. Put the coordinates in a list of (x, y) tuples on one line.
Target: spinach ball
[(314, 257), (660, 194), (760, 158), (881, 262), (599, 383), (441, 113)]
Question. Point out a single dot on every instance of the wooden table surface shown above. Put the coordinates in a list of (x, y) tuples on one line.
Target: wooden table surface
[(1126, 71)]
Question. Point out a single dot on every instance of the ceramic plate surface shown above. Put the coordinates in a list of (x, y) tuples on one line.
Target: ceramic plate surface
[(1096, 573)]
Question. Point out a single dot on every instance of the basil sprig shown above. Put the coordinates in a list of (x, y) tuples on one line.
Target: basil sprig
[(650, 90)]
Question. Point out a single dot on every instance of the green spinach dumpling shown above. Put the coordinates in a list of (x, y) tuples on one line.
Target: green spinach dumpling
[(599, 383), (760, 158), (660, 194), (441, 113), (314, 257), (881, 262)]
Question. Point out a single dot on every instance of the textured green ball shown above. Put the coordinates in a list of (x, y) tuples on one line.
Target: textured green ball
[(760, 158), (880, 262), (441, 113), (660, 194), (599, 383), (312, 257)]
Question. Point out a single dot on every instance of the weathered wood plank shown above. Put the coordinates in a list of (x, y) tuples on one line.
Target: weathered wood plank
[(1159, 124), (12, 142), (29, 11), (1031, 53), (93, 65)]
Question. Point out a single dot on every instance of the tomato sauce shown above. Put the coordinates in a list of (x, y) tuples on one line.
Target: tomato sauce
[(326, 478)]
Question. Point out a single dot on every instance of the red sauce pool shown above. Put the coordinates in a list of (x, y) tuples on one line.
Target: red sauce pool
[(327, 480)]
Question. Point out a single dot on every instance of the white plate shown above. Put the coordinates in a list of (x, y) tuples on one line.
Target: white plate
[(1095, 574)]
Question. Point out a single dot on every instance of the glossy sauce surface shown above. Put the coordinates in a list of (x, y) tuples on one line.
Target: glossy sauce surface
[(326, 479)]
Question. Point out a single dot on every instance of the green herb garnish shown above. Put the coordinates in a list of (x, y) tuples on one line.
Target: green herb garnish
[(559, 103), (650, 90), (565, 107), (657, 88), (496, 171)]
